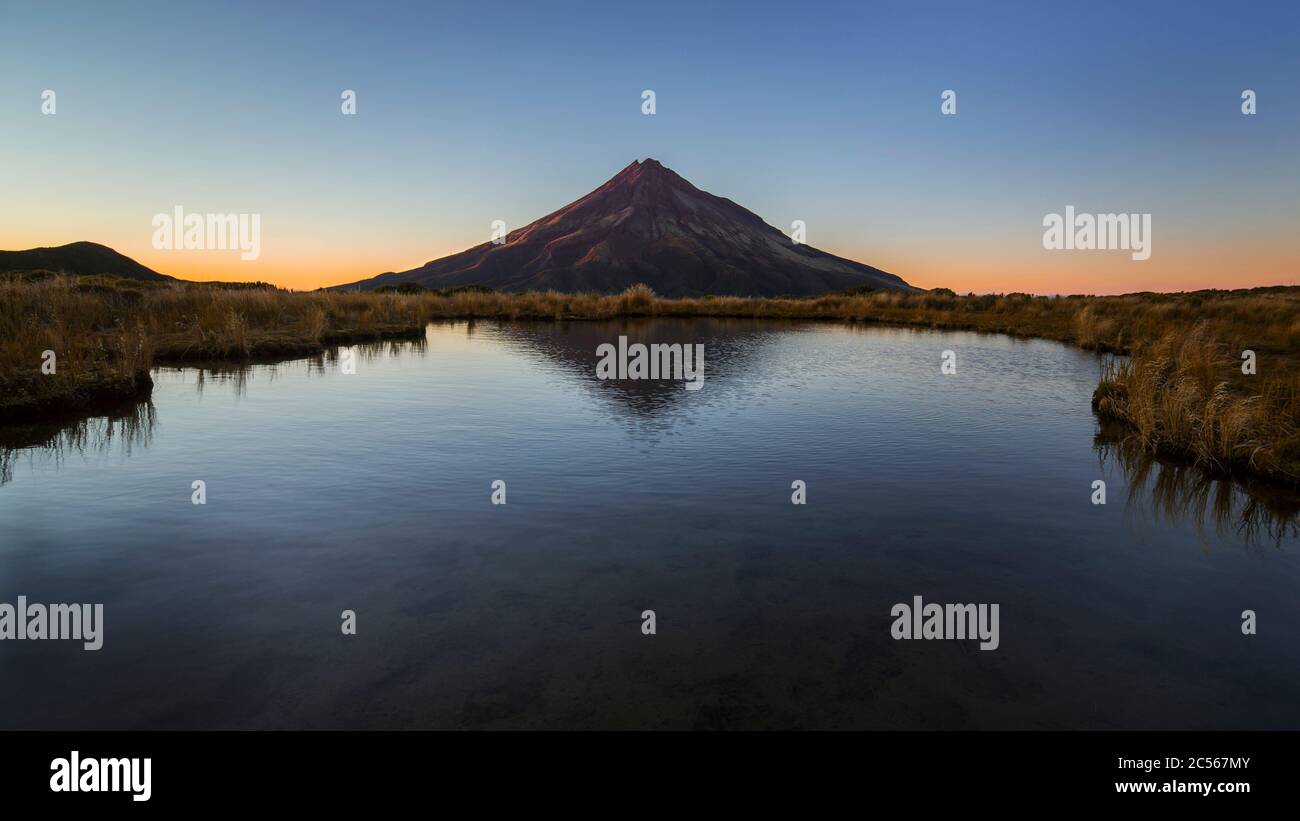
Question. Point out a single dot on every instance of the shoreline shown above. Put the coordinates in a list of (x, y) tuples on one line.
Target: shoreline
[(1180, 392)]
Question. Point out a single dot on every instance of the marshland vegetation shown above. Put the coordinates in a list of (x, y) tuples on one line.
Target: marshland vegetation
[(1179, 388)]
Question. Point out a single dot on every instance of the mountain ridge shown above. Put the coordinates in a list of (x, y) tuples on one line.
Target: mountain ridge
[(81, 258), (646, 224)]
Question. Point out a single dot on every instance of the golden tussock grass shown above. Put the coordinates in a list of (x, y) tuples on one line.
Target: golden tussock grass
[(1180, 390)]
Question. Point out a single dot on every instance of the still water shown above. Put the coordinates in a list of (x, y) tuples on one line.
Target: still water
[(328, 491)]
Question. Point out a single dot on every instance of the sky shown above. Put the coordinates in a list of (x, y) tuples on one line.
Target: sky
[(468, 113)]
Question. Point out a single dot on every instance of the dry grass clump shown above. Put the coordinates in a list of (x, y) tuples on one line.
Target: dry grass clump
[(106, 334), (1185, 394), (99, 346)]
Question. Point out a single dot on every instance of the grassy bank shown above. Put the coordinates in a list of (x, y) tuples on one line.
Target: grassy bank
[(1182, 391), (106, 334)]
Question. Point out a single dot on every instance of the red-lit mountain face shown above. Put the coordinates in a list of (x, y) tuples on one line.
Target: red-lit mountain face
[(647, 224)]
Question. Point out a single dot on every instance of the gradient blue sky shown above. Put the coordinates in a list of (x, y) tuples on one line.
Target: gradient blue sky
[(830, 114)]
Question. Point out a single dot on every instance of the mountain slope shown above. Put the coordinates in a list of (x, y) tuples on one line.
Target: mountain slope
[(82, 258), (647, 224)]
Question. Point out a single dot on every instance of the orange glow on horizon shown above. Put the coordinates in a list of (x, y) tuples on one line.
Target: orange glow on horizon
[(1095, 272), (982, 271)]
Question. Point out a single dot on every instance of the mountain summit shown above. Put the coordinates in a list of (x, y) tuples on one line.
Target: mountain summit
[(647, 224)]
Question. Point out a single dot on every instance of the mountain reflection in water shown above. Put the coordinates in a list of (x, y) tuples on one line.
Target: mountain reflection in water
[(1157, 489)]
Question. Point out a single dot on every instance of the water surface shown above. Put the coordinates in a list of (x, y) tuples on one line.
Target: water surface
[(371, 491)]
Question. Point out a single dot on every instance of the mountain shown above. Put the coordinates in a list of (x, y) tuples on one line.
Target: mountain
[(647, 224), (79, 258)]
